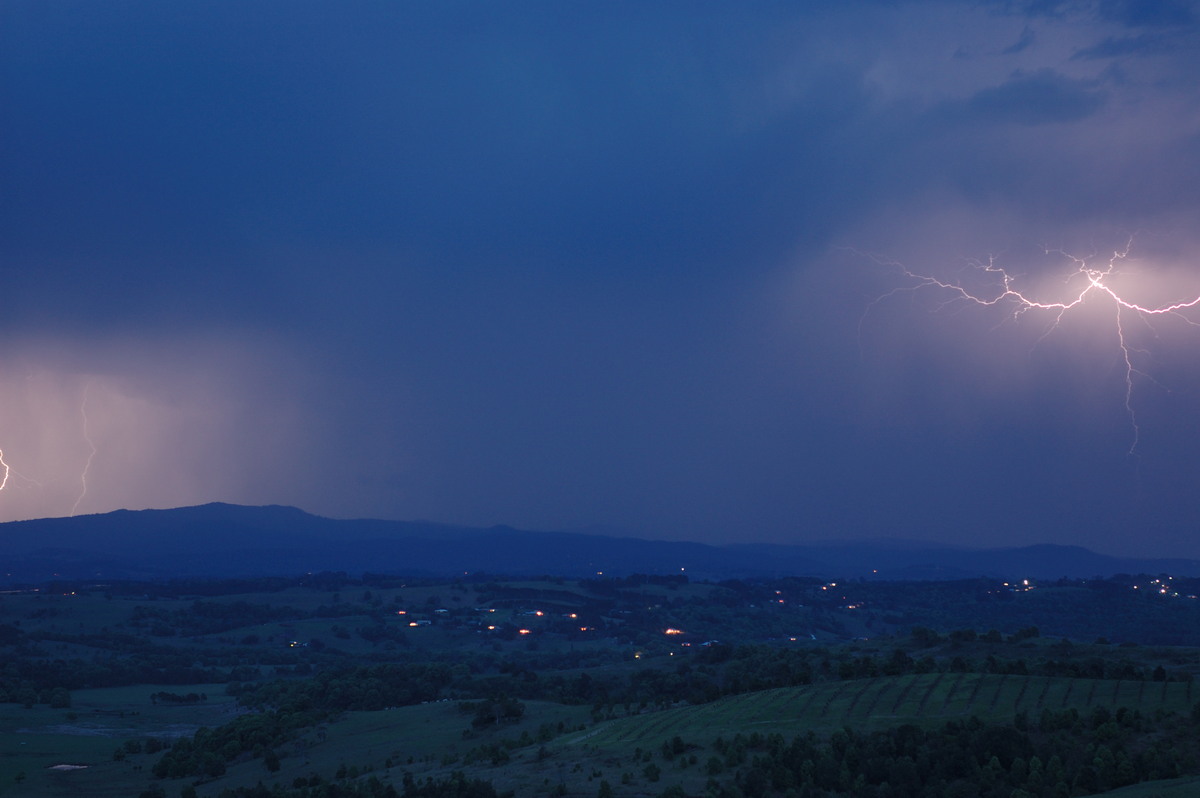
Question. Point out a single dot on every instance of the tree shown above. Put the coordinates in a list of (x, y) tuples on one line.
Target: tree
[(925, 637)]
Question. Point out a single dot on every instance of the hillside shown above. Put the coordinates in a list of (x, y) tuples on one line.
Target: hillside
[(325, 684), (223, 540)]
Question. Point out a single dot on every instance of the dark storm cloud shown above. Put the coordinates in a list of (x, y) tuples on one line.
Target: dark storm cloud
[(211, 134), (559, 265), (1038, 99), (1142, 45), (1027, 38), (1138, 13)]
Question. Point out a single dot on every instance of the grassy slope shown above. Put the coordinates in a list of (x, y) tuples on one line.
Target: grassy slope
[(1187, 787), (429, 739), (888, 701), (33, 740), (432, 735)]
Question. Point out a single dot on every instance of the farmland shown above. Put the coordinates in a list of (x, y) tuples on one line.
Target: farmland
[(572, 687)]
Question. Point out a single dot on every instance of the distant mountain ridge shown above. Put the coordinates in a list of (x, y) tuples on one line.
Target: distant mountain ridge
[(224, 540)]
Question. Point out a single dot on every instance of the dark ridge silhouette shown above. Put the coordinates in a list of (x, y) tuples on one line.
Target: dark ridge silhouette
[(225, 540)]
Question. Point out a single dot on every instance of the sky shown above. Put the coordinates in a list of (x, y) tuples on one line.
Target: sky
[(675, 270)]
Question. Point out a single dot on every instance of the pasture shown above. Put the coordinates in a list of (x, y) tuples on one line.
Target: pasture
[(36, 741), (867, 704)]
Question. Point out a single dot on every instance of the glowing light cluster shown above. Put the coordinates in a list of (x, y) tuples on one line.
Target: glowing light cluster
[(1084, 281)]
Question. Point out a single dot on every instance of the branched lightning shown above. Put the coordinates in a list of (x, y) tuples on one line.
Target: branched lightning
[(9, 471), (91, 454), (1084, 281)]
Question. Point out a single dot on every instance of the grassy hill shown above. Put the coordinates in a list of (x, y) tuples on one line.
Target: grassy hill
[(865, 704), (609, 692), (551, 744), (38, 741), (1171, 788)]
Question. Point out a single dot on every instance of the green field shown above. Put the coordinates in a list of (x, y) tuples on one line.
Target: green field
[(1175, 788), (888, 701), (435, 739), (628, 718), (427, 739), (34, 741)]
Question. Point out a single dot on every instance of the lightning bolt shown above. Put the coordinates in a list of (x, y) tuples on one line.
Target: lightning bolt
[(9, 471), (91, 454), (1083, 282)]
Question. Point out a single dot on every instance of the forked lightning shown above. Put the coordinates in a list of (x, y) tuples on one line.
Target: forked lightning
[(1082, 282)]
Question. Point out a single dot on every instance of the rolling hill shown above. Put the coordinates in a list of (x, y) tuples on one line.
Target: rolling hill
[(224, 540)]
